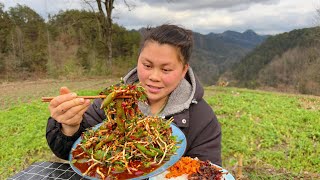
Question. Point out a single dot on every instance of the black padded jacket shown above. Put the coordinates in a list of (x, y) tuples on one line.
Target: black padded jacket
[(198, 123)]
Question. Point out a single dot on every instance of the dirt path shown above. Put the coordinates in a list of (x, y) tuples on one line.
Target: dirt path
[(20, 92)]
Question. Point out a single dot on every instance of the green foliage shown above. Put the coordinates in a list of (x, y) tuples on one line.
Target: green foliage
[(6, 25), (28, 39), (70, 44), (268, 129), (277, 134), (72, 69), (80, 29), (22, 136), (22, 133), (282, 60), (214, 54)]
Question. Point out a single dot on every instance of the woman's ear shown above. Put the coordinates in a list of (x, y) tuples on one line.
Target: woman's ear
[(185, 70)]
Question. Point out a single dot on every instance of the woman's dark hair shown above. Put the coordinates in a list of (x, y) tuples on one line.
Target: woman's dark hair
[(173, 35)]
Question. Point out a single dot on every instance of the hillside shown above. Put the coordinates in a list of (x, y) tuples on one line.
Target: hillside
[(71, 44), (285, 62), (264, 128), (215, 53)]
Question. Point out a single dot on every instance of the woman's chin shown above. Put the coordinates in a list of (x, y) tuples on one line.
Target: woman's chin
[(152, 100)]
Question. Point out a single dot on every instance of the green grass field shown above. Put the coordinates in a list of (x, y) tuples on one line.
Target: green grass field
[(277, 135)]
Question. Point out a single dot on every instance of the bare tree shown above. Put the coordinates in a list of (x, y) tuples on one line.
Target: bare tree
[(104, 17), (105, 20)]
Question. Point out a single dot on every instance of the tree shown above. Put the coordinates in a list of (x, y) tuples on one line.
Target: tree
[(76, 37), (104, 16), (27, 39), (76, 31), (5, 27), (106, 24), (70, 44)]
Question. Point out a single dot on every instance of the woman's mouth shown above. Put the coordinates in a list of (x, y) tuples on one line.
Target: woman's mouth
[(154, 89)]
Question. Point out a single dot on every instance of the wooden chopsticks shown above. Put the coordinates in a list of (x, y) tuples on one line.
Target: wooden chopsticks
[(48, 99)]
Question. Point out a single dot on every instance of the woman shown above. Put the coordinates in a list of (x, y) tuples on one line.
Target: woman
[(172, 90)]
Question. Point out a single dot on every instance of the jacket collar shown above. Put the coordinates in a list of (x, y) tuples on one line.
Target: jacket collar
[(189, 91)]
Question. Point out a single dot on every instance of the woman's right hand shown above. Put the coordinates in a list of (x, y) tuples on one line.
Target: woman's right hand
[(68, 110)]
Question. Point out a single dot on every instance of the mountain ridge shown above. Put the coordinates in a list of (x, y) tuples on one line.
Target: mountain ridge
[(286, 62), (214, 53)]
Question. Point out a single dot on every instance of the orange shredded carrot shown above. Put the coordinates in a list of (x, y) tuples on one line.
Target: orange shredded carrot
[(185, 165)]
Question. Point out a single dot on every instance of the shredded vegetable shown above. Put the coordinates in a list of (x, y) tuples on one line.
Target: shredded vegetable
[(195, 169), (185, 165), (128, 144)]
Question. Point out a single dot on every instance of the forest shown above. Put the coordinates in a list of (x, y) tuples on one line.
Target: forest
[(266, 135), (287, 62), (69, 44), (72, 44)]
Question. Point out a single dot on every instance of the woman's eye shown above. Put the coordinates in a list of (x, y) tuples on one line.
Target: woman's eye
[(147, 65), (166, 70)]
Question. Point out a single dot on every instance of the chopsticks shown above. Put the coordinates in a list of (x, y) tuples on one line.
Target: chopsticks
[(48, 99)]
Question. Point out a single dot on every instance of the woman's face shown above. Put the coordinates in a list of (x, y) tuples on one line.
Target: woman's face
[(160, 70)]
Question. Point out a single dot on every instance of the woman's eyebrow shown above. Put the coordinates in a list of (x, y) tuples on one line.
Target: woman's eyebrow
[(147, 60)]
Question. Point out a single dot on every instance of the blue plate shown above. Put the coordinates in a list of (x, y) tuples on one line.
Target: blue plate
[(173, 159)]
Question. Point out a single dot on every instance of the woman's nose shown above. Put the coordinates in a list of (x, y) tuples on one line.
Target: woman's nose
[(154, 75)]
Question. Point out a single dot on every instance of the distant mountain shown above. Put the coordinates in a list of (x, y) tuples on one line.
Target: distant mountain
[(215, 53), (248, 39), (286, 62)]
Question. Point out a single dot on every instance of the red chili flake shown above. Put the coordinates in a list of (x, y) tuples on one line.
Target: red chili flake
[(109, 126), (133, 87)]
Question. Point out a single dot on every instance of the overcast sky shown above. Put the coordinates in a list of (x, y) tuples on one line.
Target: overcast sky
[(203, 16)]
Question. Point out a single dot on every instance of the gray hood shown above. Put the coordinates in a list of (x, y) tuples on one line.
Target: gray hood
[(188, 91)]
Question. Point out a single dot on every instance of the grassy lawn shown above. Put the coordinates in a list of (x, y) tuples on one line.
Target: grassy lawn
[(277, 135)]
